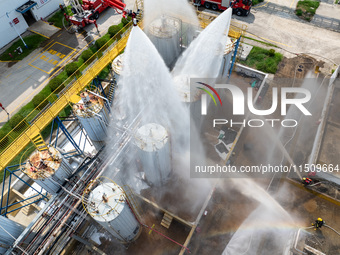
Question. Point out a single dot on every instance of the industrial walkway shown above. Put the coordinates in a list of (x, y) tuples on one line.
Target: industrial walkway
[(46, 117), (32, 134), (287, 12)]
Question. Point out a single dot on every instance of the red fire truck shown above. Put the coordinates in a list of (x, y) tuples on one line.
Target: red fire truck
[(89, 10), (240, 7)]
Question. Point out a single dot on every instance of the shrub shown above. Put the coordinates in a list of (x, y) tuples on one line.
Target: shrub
[(298, 12), (86, 55), (16, 122), (65, 112), (55, 83), (271, 52), (39, 100), (94, 48), (114, 30), (29, 114), (125, 21), (101, 41), (71, 68)]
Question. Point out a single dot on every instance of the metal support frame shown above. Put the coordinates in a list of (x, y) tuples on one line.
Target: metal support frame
[(98, 83), (62, 127), (234, 56), (7, 205)]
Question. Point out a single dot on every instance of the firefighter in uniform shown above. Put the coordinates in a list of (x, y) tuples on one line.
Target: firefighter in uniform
[(318, 223)]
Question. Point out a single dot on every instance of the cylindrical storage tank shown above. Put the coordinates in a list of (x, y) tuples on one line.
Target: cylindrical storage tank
[(154, 152), (190, 96), (107, 204), (165, 34), (187, 94), (117, 65), (49, 169), (8, 230), (93, 116), (227, 58)]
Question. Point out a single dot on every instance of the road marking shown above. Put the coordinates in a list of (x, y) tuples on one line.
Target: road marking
[(25, 80), (80, 34), (39, 34), (4, 119), (8, 75), (50, 60), (262, 5), (9, 61), (292, 4), (265, 39), (59, 35)]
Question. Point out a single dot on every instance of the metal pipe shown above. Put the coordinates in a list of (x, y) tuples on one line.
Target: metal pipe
[(95, 94), (10, 178), (320, 131), (69, 211), (54, 232), (59, 208), (3, 188)]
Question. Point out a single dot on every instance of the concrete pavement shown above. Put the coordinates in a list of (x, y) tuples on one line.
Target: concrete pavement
[(280, 27), (21, 81)]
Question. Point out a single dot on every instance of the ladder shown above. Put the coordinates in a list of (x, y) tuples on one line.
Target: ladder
[(166, 221), (132, 201), (112, 89), (39, 142)]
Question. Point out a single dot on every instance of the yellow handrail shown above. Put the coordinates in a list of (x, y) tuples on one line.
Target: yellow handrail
[(51, 112), (32, 130)]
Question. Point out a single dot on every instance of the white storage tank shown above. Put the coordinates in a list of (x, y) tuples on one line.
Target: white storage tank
[(108, 205), (227, 58), (117, 66), (93, 116), (8, 230), (154, 152), (165, 34), (49, 169), (182, 86)]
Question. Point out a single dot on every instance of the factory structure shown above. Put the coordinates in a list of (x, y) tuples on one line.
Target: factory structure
[(19, 15), (61, 193)]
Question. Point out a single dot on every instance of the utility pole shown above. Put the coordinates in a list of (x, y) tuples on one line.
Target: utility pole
[(3, 108), (13, 25)]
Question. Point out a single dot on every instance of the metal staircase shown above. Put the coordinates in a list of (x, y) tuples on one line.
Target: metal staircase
[(166, 221), (112, 89), (39, 142), (132, 201), (32, 132)]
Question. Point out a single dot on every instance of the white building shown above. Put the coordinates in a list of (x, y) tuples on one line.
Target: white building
[(19, 14)]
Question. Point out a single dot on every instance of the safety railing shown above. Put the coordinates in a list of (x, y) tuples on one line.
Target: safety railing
[(32, 125), (236, 29)]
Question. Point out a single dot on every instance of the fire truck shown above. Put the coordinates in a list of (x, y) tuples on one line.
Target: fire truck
[(89, 10), (240, 7)]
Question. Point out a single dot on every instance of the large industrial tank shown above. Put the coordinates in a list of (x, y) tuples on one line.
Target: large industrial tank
[(93, 116), (117, 66), (49, 169), (8, 230), (184, 90), (165, 34), (227, 58), (108, 205), (154, 152)]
